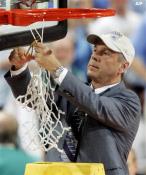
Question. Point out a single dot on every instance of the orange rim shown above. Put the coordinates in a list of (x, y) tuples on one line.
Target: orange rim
[(27, 17), (3, 16)]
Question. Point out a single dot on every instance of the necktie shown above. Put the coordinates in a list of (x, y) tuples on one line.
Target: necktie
[(70, 146), (70, 142)]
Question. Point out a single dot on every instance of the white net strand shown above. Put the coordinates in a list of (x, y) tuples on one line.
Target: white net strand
[(32, 33), (43, 30), (30, 140), (40, 98)]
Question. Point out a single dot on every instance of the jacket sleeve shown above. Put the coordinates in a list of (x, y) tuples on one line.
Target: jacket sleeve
[(117, 112), (18, 83)]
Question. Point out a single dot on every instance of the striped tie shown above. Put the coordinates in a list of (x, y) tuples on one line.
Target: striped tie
[(70, 146), (70, 142)]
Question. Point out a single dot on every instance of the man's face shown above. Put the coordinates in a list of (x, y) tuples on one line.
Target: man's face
[(104, 64)]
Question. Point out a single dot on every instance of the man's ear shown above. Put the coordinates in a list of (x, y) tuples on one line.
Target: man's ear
[(123, 68)]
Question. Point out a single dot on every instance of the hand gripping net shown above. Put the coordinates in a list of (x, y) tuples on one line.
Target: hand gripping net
[(40, 98)]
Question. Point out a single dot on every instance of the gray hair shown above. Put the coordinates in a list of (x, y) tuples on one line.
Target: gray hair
[(121, 57)]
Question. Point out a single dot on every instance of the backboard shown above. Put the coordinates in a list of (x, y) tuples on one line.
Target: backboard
[(13, 36)]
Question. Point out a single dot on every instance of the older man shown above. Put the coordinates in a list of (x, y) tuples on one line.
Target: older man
[(109, 112)]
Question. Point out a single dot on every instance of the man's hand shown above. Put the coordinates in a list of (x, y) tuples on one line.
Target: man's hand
[(45, 58), (18, 58)]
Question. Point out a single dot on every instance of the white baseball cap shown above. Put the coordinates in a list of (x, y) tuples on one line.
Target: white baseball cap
[(115, 41)]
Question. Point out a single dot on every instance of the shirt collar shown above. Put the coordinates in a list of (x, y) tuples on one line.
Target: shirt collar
[(104, 88)]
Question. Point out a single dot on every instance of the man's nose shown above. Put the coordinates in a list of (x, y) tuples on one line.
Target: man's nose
[(96, 58)]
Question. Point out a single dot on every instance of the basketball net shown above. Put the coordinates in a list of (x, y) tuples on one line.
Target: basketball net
[(40, 98)]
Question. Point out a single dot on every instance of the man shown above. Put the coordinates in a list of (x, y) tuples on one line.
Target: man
[(12, 159), (109, 112)]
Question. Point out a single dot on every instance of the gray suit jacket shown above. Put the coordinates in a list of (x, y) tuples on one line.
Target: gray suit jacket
[(109, 123)]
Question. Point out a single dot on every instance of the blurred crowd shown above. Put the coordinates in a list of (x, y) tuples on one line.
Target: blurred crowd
[(74, 53)]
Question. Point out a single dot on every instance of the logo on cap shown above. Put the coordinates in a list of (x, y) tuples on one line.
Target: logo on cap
[(116, 35)]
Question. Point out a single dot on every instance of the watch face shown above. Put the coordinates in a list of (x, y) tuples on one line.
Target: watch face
[(57, 73)]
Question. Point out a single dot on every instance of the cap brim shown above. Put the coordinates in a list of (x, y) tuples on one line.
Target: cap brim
[(94, 39)]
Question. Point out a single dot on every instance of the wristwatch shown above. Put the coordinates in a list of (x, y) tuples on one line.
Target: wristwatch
[(58, 71)]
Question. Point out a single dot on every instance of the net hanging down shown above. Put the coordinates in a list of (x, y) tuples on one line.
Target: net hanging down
[(40, 98)]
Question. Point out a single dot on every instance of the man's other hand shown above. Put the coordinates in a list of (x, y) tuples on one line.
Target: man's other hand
[(45, 58), (18, 58)]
